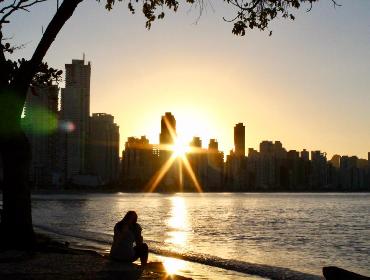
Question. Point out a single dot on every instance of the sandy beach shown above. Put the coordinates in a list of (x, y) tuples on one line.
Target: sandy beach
[(53, 260)]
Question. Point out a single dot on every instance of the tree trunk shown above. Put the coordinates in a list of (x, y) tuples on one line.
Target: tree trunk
[(16, 221)]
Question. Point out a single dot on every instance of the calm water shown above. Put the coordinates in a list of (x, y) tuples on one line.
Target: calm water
[(303, 232)]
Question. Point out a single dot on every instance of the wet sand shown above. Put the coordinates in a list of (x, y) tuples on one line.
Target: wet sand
[(53, 260)]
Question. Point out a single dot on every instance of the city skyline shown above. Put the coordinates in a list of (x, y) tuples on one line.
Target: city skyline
[(239, 128), (305, 85), (175, 166), (74, 146), (79, 99)]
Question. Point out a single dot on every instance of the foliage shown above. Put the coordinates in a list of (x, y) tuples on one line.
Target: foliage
[(17, 76), (44, 76), (249, 14)]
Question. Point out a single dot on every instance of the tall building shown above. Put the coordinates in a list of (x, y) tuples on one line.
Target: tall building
[(196, 142), (318, 170), (198, 161), (335, 161), (172, 179), (239, 139), (104, 147), (139, 163), (215, 167), (353, 175), (291, 171), (40, 124), (305, 155), (235, 166), (267, 147), (213, 145), (267, 169), (168, 129), (75, 111)]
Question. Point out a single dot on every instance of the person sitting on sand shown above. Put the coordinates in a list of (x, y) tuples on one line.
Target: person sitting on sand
[(126, 233)]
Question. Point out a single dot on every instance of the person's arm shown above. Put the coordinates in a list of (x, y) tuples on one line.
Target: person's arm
[(138, 236)]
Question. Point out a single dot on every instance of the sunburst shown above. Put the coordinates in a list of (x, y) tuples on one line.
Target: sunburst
[(179, 149)]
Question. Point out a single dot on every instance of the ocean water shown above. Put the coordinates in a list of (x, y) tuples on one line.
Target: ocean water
[(224, 235)]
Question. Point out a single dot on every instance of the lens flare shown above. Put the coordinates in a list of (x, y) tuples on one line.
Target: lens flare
[(67, 126), (40, 121)]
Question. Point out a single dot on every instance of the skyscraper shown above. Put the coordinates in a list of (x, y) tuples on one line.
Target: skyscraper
[(168, 129), (40, 124), (215, 167), (318, 170), (75, 110), (139, 163), (104, 147), (213, 145), (196, 142), (239, 139), (167, 137), (305, 155)]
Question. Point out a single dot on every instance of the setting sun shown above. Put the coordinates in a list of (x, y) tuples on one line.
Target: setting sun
[(180, 147)]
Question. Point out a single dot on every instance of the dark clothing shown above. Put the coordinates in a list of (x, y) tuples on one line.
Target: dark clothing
[(141, 251), (123, 243)]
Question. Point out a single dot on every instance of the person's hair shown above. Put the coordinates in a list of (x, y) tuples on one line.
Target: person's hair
[(130, 214), (124, 221)]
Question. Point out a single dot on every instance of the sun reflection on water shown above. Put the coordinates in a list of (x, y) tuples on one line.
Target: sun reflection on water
[(173, 266), (177, 237), (178, 219), (178, 222)]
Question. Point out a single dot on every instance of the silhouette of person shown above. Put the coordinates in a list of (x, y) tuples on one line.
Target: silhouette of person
[(126, 233)]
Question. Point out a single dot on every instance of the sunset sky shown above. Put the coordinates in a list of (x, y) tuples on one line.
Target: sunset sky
[(308, 85)]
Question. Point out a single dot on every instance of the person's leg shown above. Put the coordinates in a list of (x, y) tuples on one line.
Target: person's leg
[(142, 251)]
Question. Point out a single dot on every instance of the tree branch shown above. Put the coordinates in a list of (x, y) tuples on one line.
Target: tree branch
[(64, 12), (2, 60), (16, 6)]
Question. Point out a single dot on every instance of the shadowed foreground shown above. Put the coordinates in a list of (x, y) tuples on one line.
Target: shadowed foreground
[(55, 261)]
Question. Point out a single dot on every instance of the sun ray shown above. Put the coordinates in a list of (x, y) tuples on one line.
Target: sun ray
[(181, 176), (179, 151), (165, 147), (197, 150), (170, 129), (156, 179), (191, 173)]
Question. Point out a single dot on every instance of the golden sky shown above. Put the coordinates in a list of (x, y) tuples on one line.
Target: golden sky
[(307, 85)]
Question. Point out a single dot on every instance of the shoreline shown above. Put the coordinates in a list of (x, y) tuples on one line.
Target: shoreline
[(183, 267), (54, 260), (97, 191), (201, 268)]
